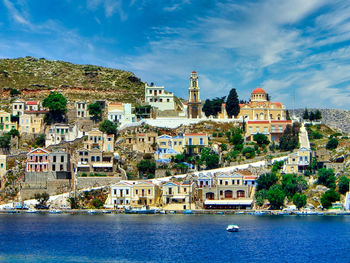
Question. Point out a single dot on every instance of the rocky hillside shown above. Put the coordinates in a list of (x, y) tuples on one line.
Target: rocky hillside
[(334, 118), (35, 78)]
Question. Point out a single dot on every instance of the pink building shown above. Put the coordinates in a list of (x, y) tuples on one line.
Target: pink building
[(38, 161)]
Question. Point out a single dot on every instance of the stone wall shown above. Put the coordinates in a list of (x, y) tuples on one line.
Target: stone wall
[(89, 182)]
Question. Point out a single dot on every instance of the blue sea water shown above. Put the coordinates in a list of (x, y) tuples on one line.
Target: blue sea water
[(173, 238)]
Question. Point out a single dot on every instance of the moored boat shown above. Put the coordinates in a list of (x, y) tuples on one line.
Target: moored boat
[(188, 212), (55, 211), (142, 210), (31, 211)]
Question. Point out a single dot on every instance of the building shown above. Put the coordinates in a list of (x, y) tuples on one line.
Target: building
[(99, 140), (94, 161), (169, 146), (38, 161), (32, 122), (121, 194), (120, 113), (195, 142), (297, 162), (59, 164), (142, 142), (230, 191), (223, 113), (33, 105), (159, 98), (3, 167), (205, 180), (263, 116), (145, 194), (6, 124), (178, 196), (18, 107), (61, 132), (81, 108), (194, 104)]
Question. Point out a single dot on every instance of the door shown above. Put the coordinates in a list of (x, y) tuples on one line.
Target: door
[(228, 194)]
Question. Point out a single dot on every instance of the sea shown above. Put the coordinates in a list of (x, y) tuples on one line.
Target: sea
[(173, 238)]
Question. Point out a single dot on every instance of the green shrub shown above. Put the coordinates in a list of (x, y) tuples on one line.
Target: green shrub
[(329, 197)]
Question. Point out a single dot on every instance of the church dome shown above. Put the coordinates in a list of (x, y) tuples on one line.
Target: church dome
[(259, 90)]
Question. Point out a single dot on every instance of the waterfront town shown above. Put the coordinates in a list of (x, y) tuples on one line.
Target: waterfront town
[(169, 154)]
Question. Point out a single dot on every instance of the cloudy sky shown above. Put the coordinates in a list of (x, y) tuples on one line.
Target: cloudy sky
[(293, 49)]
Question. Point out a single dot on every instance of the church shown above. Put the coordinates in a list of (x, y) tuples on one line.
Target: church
[(263, 116), (194, 104)]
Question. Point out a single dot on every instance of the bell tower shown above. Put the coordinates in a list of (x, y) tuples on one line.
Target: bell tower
[(194, 107)]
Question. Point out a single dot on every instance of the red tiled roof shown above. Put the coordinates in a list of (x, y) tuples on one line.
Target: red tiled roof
[(141, 134), (195, 134), (258, 90), (32, 102), (194, 72), (257, 122), (281, 121), (249, 177)]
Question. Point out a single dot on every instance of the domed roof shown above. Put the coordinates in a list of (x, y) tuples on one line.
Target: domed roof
[(194, 72), (259, 90)]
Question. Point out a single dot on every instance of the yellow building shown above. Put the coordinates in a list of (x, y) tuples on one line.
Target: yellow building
[(194, 142), (297, 162), (263, 116), (99, 140), (5, 122), (31, 123), (145, 193), (142, 142), (178, 196), (223, 113)]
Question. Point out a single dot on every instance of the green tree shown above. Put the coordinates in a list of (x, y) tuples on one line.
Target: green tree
[(332, 144), (343, 185), (212, 107), (223, 147), (306, 114), (42, 198), (299, 200), (329, 197), (260, 197), (289, 184), (108, 127), (57, 104), (5, 142), (312, 116), (73, 202), (14, 92), (95, 111), (40, 140), (318, 115), (276, 196), (287, 115), (97, 203), (248, 152), (14, 133), (326, 177), (212, 161), (265, 181), (146, 167), (232, 104), (261, 139), (290, 137)]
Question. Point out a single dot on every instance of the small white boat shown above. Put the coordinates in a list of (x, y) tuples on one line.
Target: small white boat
[(55, 211), (91, 211), (31, 211), (232, 228)]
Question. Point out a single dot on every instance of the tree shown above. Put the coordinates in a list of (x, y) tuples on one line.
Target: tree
[(14, 133), (261, 139), (289, 184), (40, 140), (232, 104), (329, 197), (97, 203), (265, 181), (212, 161), (312, 116), (95, 111), (248, 152), (57, 104), (276, 196), (212, 107), (5, 142), (42, 198), (73, 202), (14, 92), (146, 167), (306, 114), (290, 137), (299, 200), (343, 185), (108, 127), (260, 197), (223, 147), (287, 115), (318, 115), (326, 177), (332, 144)]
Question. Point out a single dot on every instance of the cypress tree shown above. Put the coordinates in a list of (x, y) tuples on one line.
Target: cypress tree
[(232, 104), (306, 114)]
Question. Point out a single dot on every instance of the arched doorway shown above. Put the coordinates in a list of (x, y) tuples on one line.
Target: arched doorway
[(228, 194), (209, 196)]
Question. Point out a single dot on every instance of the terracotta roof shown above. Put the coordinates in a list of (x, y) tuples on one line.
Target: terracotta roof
[(281, 121), (257, 122), (250, 177), (278, 103), (259, 90), (194, 72), (32, 102), (195, 134)]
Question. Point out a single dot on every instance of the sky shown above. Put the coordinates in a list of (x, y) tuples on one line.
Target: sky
[(297, 50)]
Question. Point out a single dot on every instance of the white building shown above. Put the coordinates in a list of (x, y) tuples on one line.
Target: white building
[(81, 108), (60, 132), (159, 98), (121, 194), (2, 165), (120, 113), (18, 107)]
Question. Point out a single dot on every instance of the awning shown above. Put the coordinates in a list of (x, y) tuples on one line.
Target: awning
[(102, 165), (178, 197), (83, 165), (229, 202)]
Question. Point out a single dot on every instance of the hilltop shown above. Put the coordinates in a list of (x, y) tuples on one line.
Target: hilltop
[(35, 78)]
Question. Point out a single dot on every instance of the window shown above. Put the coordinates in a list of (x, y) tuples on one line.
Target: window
[(167, 100), (233, 181), (61, 167), (62, 159), (185, 189), (149, 191), (221, 193), (115, 191), (226, 182), (201, 141), (160, 91), (238, 182), (220, 182), (98, 158), (137, 191), (160, 100), (127, 191), (54, 158), (53, 167), (92, 158)]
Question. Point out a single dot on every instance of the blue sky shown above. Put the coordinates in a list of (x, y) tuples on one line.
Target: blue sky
[(293, 48)]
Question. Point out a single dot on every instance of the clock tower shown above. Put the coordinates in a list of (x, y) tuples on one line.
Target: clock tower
[(194, 106)]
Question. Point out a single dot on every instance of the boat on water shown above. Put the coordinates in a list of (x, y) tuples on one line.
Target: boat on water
[(239, 213), (55, 211), (307, 213), (107, 212), (141, 210), (188, 212), (220, 213), (232, 228), (31, 211), (91, 211)]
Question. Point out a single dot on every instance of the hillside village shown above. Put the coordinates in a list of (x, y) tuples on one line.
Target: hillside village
[(160, 151)]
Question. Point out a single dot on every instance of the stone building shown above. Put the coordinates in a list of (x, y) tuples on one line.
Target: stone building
[(60, 164), (142, 142), (81, 108), (194, 105)]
